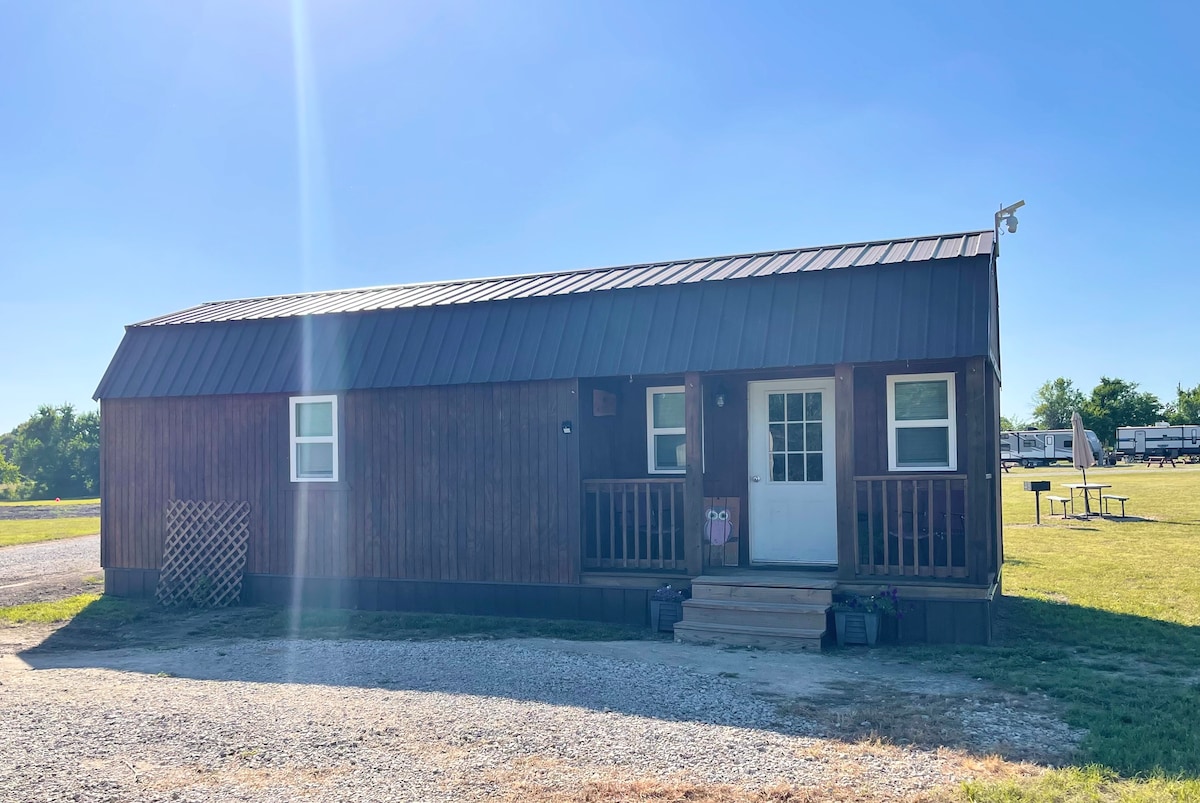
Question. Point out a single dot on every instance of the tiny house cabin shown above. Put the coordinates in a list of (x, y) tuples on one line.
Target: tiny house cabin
[(769, 429)]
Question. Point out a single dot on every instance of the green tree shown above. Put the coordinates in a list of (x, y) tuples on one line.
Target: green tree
[(1117, 403), (1186, 407), (1054, 402), (8, 472), (59, 451), (1012, 424)]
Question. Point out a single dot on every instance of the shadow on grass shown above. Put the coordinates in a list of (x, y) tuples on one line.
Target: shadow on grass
[(1132, 682)]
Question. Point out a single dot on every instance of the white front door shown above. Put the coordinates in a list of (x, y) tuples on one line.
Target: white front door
[(793, 498), (1050, 446)]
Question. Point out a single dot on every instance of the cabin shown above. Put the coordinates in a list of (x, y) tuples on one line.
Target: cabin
[(771, 430)]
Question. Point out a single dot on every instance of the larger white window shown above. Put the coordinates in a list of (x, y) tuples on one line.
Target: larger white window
[(314, 438), (666, 437), (921, 423)]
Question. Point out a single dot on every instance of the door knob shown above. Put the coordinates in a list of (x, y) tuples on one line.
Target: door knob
[(756, 478)]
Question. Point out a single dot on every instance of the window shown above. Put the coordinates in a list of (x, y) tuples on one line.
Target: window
[(314, 438), (794, 430), (666, 442), (921, 429)]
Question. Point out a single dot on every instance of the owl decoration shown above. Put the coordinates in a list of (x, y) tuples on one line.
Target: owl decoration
[(718, 526)]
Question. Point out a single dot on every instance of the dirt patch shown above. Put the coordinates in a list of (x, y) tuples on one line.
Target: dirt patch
[(47, 588), (27, 512)]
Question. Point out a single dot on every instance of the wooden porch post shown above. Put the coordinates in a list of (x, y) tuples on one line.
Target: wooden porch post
[(979, 484), (693, 483), (843, 402)]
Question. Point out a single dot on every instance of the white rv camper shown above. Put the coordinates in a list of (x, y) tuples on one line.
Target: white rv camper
[(1042, 447), (1160, 440)]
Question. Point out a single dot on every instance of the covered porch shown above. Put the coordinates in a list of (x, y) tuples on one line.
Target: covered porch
[(857, 523)]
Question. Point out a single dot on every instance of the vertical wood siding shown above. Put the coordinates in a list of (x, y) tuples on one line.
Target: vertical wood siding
[(458, 483)]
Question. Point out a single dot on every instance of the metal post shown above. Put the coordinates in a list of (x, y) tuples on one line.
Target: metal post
[(1037, 500)]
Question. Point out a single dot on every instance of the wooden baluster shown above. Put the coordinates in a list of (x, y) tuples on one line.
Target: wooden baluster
[(900, 526), (612, 526), (916, 532), (662, 555), (871, 523), (887, 547), (929, 529), (949, 529), (966, 529)]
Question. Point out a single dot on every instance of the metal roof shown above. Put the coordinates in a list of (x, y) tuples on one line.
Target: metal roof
[(469, 291), (936, 307)]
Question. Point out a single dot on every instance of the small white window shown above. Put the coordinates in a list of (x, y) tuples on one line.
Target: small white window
[(314, 438), (921, 423), (666, 438)]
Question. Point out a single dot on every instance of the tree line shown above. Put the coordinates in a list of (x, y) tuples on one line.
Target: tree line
[(1112, 403), (56, 453)]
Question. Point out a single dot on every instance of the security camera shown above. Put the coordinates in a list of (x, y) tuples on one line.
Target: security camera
[(1007, 216)]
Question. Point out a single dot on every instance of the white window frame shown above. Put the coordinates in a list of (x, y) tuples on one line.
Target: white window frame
[(951, 423), (294, 440), (651, 430)]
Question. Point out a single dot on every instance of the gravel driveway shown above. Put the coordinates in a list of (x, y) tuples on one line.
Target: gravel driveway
[(391, 721), (48, 570), (49, 558)]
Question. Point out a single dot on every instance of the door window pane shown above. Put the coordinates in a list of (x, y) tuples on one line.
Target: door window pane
[(777, 443), (814, 437), (314, 420), (816, 468), (778, 467), (795, 407), (670, 451), (314, 460), (923, 446), (795, 438), (775, 407), (812, 406), (795, 468), (922, 401), (668, 410)]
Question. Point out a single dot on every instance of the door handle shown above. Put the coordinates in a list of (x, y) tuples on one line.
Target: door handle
[(756, 478)]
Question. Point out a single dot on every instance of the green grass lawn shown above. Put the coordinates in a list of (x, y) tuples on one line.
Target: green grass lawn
[(64, 502), (28, 531), (1102, 616)]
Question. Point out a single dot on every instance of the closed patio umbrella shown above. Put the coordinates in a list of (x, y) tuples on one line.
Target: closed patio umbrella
[(1081, 453)]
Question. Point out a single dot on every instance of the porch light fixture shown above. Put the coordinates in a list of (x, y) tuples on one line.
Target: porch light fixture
[(719, 396), (566, 427), (1008, 218)]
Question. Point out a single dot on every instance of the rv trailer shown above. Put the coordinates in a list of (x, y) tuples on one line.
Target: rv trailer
[(1160, 440), (1042, 447)]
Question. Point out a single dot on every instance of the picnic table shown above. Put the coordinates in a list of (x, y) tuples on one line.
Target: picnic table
[(1160, 459), (1084, 491)]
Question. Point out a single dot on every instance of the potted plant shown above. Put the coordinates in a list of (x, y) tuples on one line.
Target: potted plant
[(857, 616), (666, 607)]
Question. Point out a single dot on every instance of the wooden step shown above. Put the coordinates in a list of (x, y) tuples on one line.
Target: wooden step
[(771, 638), (795, 616), (701, 589)]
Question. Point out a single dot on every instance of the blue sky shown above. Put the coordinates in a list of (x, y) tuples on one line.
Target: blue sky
[(155, 155)]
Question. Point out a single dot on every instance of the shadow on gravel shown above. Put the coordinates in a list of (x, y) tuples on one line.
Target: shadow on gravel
[(895, 695)]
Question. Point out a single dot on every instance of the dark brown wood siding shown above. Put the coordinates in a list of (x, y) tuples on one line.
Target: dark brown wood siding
[(459, 483)]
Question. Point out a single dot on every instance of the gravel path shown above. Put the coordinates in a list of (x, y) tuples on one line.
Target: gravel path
[(392, 721), (47, 558)]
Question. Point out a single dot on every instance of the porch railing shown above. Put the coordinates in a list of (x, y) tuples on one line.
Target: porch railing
[(633, 524), (912, 525)]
